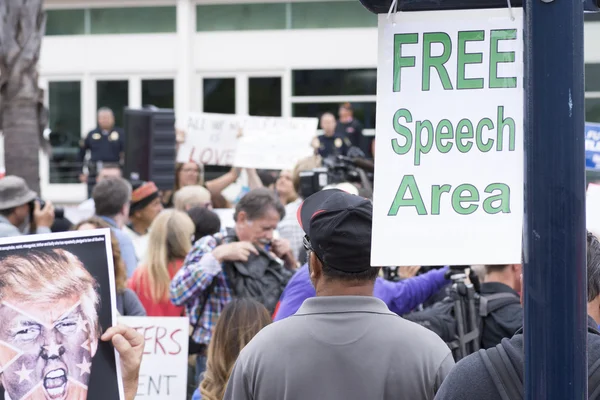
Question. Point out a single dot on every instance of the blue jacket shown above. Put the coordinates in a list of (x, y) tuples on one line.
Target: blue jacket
[(401, 297), (126, 246)]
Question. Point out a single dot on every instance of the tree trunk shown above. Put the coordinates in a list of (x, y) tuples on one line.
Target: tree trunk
[(22, 114)]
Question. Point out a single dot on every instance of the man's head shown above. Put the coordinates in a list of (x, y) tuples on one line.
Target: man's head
[(345, 112), (15, 199), (338, 238), (510, 275), (328, 124), (192, 196), (111, 197), (257, 215), (48, 325), (106, 118), (109, 171), (145, 202), (593, 277)]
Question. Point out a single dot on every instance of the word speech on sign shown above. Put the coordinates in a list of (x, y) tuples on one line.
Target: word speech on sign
[(163, 374), (449, 166), (212, 139)]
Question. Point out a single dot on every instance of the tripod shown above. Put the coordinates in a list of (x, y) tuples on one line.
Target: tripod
[(464, 295)]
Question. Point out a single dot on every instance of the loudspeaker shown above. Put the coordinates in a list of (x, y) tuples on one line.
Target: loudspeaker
[(150, 147)]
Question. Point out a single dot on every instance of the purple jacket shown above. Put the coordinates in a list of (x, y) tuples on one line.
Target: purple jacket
[(401, 297)]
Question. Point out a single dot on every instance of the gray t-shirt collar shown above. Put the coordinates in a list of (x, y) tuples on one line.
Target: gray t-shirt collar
[(343, 304)]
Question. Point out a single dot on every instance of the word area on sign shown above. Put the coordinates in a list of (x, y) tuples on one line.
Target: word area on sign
[(436, 65), (464, 198)]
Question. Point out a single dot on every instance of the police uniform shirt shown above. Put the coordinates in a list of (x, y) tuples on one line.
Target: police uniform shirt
[(333, 145), (353, 130), (105, 146)]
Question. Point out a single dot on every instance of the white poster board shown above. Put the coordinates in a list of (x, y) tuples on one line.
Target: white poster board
[(449, 139), (212, 139), (163, 374), (274, 149)]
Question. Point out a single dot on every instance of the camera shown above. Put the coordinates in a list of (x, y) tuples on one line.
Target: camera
[(336, 169), (59, 212)]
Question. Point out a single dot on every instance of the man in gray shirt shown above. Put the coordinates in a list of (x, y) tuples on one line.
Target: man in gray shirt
[(343, 344)]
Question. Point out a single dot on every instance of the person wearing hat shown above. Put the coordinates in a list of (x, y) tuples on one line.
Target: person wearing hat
[(20, 211), (343, 344), (144, 207)]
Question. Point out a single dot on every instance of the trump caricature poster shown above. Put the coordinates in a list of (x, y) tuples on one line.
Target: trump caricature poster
[(57, 296)]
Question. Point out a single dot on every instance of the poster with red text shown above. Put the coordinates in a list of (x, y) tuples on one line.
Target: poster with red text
[(163, 374)]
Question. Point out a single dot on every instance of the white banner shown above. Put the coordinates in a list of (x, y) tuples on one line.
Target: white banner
[(163, 374), (274, 149), (449, 165), (212, 139)]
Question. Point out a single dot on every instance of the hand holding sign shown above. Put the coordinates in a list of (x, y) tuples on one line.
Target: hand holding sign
[(130, 345)]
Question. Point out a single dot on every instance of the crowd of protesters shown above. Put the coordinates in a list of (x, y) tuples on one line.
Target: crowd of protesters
[(283, 302)]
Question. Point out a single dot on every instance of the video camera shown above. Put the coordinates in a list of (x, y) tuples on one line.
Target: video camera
[(353, 168)]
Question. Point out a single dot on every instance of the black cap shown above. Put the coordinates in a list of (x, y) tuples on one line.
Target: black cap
[(338, 225)]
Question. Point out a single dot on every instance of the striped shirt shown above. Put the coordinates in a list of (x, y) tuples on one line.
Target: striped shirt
[(189, 284)]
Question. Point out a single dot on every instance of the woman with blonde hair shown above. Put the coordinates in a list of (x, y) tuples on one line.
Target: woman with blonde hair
[(169, 241), (128, 303), (240, 321)]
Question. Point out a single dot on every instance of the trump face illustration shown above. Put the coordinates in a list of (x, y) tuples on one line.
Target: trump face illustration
[(48, 325)]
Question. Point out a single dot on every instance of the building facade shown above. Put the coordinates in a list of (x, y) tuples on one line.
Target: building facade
[(272, 58)]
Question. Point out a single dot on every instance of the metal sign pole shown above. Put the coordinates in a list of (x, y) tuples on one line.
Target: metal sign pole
[(554, 240)]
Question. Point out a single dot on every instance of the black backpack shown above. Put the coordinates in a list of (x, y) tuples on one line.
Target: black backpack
[(441, 319), (510, 385), (262, 277)]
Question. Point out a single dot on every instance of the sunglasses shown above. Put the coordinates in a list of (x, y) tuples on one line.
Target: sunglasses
[(306, 243), (309, 249)]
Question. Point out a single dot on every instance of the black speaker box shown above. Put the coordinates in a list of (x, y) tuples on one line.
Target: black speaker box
[(150, 151)]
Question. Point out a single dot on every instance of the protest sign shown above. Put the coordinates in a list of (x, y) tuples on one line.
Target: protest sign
[(212, 139), (273, 149), (57, 294), (449, 165), (163, 374), (592, 145)]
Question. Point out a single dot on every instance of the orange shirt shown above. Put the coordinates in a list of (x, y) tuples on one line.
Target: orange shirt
[(139, 283)]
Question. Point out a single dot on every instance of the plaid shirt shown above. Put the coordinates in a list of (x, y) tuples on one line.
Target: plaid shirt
[(191, 281)]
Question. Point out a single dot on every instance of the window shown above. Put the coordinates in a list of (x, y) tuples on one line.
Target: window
[(592, 77), (331, 14), (65, 22), (592, 109), (114, 95), (232, 17), (363, 112), (133, 20), (65, 125), (219, 95), (334, 82), (283, 15), (158, 93), (264, 97)]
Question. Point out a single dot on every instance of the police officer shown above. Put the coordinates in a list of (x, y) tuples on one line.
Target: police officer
[(106, 145), (330, 143)]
